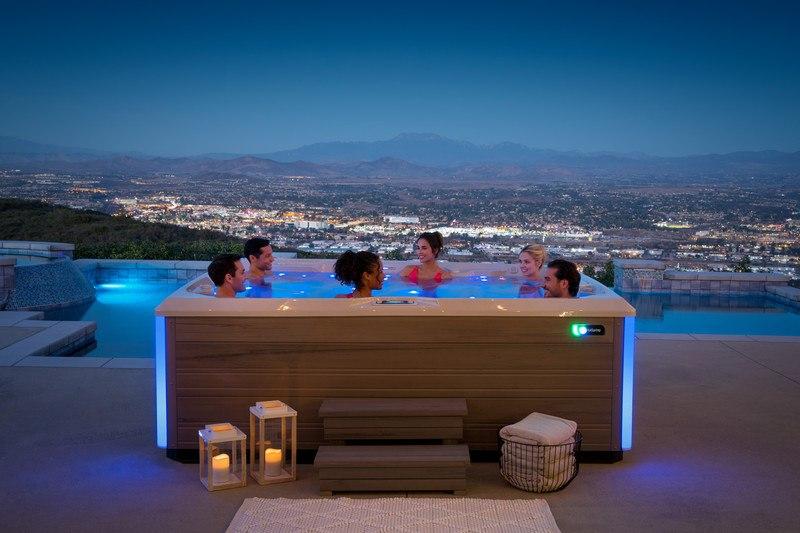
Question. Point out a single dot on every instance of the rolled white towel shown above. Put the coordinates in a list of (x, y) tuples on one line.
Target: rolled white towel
[(539, 428)]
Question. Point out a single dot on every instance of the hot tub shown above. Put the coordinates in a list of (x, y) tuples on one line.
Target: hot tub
[(508, 356)]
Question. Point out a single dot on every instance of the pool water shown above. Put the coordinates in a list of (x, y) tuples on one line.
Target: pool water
[(325, 285), (124, 315), (713, 314)]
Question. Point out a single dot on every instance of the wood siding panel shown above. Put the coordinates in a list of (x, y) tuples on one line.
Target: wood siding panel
[(396, 329), (505, 368), (333, 356), (257, 382)]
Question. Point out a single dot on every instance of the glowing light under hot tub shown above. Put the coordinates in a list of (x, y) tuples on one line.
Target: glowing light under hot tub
[(628, 348), (161, 382)]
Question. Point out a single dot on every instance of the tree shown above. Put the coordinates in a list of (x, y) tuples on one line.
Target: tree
[(395, 255), (606, 276), (743, 265)]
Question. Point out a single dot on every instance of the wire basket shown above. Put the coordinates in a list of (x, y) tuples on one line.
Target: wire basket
[(540, 467)]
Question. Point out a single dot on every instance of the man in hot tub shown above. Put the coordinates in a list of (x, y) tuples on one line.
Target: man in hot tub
[(227, 273), (258, 253), (562, 279)]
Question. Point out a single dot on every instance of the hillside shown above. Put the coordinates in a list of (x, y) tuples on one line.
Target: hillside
[(98, 235)]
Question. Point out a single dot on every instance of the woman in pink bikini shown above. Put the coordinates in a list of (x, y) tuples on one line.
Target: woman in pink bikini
[(429, 245), (363, 270)]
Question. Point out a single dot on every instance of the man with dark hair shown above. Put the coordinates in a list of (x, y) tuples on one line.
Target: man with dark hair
[(227, 273), (562, 279), (258, 253)]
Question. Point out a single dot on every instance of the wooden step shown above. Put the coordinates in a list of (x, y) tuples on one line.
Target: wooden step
[(393, 418), (392, 468)]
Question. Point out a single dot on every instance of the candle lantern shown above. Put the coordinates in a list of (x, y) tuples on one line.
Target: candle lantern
[(273, 442), (222, 457)]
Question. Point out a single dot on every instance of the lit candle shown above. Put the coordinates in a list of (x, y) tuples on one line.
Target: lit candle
[(219, 467), (273, 459)]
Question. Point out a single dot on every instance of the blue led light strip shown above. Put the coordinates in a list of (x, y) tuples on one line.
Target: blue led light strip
[(628, 348), (161, 382)]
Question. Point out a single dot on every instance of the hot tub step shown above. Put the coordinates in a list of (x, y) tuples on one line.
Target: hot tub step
[(393, 418), (392, 468)]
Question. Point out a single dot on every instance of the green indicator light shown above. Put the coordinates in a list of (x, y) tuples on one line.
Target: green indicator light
[(578, 330)]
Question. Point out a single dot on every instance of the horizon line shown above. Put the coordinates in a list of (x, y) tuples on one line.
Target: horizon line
[(262, 154)]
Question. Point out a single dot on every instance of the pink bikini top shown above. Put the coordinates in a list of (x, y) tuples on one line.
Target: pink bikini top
[(413, 276)]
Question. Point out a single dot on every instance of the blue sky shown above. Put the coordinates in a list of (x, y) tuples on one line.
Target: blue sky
[(169, 78)]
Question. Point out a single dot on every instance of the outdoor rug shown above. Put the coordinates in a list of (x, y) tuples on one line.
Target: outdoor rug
[(393, 514)]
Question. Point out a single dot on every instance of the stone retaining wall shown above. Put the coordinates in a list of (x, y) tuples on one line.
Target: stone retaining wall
[(6, 279), (631, 275), (114, 270), (37, 252)]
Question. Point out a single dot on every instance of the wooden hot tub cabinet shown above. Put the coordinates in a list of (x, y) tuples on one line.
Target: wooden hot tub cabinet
[(505, 367)]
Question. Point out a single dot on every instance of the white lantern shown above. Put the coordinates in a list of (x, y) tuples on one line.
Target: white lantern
[(273, 445), (222, 457)]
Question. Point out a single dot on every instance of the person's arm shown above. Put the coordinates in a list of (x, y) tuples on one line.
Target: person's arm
[(406, 271), (446, 274)]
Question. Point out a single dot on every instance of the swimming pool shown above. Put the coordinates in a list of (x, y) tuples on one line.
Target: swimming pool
[(713, 314), (124, 315)]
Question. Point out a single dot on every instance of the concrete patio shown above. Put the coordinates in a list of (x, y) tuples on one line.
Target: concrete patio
[(715, 449)]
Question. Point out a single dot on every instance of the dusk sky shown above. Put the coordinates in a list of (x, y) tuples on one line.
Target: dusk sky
[(665, 78)]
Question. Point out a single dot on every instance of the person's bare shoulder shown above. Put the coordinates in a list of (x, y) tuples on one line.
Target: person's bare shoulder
[(406, 271)]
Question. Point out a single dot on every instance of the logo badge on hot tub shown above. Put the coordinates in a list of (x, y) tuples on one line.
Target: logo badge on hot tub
[(584, 330)]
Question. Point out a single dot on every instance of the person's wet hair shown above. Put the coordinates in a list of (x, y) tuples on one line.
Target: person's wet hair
[(222, 265), (350, 266), (434, 240), (253, 247), (567, 270)]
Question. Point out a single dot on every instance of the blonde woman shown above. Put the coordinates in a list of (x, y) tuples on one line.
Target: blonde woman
[(532, 259)]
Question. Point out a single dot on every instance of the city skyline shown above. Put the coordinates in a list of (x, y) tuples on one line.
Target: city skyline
[(166, 80)]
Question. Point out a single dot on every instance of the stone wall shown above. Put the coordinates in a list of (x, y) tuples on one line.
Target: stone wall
[(113, 270), (122, 270), (6, 279), (36, 252), (632, 275)]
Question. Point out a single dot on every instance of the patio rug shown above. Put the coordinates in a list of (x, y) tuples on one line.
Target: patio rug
[(393, 514)]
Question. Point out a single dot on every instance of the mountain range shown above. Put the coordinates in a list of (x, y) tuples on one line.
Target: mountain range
[(409, 155)]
